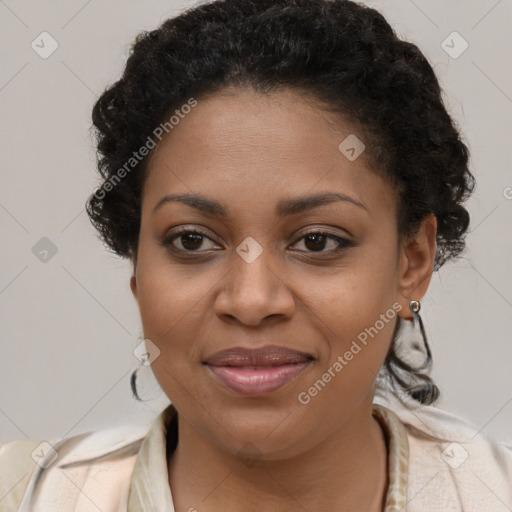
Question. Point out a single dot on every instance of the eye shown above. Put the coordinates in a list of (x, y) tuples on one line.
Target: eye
[(316, 241), (191, 240)]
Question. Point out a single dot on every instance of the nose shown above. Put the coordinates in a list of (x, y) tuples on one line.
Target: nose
[(253, 292)]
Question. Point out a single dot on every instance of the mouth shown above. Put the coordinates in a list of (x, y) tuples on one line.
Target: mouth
[(257, 372)]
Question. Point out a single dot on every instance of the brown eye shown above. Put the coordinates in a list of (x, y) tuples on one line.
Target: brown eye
[(191, 240), (317, 241)]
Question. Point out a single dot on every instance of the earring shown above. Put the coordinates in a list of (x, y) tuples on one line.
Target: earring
[(133, 385), (415, 306)]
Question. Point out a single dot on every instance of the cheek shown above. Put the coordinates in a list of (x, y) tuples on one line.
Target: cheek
[(171, 312), (358, 327), (356, 313), (171, 306), (357, 344), (168, 293)]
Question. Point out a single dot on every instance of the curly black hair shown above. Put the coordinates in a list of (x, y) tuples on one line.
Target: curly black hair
[(340, 52)]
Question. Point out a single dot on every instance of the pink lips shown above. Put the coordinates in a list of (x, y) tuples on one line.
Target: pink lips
[(256, 372)]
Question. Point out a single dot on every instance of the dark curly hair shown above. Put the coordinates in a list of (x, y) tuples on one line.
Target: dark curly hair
[(340, 52)]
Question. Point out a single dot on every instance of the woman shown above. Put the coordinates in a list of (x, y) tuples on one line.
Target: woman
[(285, 179)]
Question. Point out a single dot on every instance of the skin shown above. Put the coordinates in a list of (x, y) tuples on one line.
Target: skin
[(249, 151)]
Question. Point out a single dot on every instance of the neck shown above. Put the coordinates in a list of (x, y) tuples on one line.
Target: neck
[(347, 471)]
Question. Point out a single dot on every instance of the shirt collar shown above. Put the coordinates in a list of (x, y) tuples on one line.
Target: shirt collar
[(149, 485)]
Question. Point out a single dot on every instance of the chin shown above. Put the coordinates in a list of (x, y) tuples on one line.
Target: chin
[(261, 434)]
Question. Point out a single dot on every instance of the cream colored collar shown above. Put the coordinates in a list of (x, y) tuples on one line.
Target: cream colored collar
[(149, 486)]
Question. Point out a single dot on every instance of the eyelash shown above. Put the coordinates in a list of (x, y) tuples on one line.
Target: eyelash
[(343, 242)]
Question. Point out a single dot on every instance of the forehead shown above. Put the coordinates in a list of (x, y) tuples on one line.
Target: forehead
[(243, 147)]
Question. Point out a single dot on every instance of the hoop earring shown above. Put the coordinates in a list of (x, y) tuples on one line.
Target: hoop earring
[(133, 385), (151, 390), (415, 306)]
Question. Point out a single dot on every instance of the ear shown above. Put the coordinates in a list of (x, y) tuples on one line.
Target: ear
[(416, 264)]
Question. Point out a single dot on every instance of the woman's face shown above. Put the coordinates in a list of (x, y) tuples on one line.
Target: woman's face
[(256, 275)]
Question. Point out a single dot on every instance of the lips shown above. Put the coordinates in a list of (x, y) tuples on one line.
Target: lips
[(271, 355), (256, 372)]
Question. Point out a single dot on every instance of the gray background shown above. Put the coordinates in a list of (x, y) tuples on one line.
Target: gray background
[(69, 325)]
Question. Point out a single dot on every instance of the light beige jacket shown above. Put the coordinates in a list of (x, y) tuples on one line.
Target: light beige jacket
[(436, 462)]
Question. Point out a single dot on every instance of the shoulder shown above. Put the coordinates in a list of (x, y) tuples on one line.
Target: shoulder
[(61, 468), (17, 463), (453, 464)]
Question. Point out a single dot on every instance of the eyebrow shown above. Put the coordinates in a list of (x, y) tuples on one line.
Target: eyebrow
[(284, 208)]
